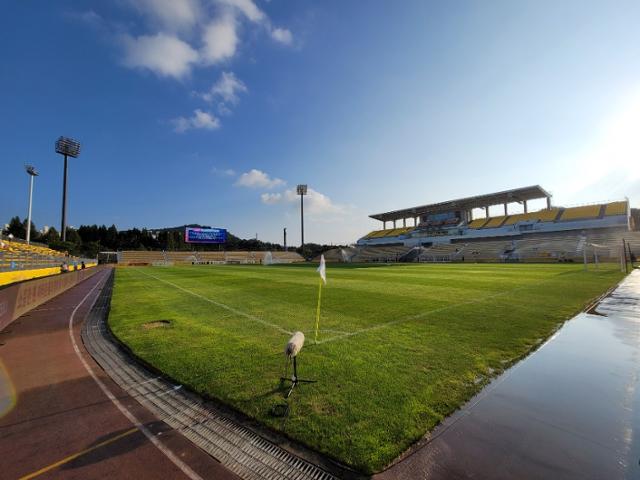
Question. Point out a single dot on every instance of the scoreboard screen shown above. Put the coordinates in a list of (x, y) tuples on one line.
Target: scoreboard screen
[(205, 235)]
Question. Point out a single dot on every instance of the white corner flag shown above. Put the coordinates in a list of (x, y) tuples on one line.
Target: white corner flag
[(322, 270)]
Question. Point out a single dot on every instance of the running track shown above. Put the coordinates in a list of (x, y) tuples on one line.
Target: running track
[(63, 424)]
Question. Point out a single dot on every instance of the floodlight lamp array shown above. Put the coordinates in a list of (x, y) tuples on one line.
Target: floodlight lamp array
[(31, 170), (68, 146), (301, 189)]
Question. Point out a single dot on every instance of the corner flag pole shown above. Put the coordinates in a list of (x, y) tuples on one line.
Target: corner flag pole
[(322, 270), (318, 309)]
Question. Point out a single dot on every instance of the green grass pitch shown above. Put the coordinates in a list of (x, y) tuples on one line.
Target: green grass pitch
[(400, 347)]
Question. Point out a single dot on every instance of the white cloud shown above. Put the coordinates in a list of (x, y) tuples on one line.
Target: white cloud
[(223, 172), (199, 120), (223, 109), (88, 17), (172, 50), (251, 11), (165, 55), (226, 88), (170, 55), (315, 203), (170, 14), (258, 179), (220, 40), (282, 35), (247, 8), (271, 198)]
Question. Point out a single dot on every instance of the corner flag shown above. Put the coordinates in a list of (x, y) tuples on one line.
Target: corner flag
[(322, 270)]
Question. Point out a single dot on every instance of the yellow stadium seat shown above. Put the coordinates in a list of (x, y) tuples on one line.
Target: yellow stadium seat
[(519, 217), (615, 208), (580, 213), (548, 215), (389, 232), (478, 222), (495, 222)]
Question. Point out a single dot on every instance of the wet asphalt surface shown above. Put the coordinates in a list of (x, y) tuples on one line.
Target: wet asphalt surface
[(571, 410)]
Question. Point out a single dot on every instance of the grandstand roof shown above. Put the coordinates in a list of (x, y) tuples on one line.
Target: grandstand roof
[(479, 201)]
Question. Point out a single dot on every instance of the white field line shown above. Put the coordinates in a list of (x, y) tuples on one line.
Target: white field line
[(130, 416), (339, 332), (426, 314), (221, 305)]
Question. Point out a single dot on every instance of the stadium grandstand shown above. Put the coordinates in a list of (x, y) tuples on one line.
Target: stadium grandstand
[(448, 231), (20, 261), (136, 257)]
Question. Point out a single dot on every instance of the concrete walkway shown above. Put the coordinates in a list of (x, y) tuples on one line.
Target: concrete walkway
[(569, 411)]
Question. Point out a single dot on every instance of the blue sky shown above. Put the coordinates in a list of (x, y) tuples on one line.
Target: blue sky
[(211, 111)]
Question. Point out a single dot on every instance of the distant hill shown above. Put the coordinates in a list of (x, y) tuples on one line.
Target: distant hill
[(180, 228)]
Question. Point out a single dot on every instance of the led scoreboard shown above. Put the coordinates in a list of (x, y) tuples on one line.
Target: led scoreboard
[(205, 235)]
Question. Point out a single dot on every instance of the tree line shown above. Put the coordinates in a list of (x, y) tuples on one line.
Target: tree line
[(88, 240)]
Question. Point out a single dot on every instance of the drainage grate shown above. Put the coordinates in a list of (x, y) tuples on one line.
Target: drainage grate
[(238, 448)]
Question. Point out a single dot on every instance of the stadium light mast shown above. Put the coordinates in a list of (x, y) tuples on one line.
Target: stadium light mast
[(69, 148), (302, 191), (32, 172)]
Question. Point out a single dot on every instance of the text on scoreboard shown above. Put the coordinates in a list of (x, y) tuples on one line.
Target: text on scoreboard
[(205, 235)]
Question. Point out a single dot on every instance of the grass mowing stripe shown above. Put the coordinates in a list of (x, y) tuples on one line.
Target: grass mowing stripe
[(221, 305), (430, 312)]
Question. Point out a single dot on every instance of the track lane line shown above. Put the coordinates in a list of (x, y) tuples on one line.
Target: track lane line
[(70, 458)]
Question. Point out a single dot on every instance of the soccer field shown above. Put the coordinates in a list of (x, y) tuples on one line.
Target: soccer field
[(400, 347)]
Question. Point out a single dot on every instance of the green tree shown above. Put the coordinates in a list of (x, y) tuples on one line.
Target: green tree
[(16, 228), (67, 247), (91, 249), (73, 236), (52, 236), (111, 239)]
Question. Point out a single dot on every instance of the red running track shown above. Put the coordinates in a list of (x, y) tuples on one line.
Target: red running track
[(56, 421)]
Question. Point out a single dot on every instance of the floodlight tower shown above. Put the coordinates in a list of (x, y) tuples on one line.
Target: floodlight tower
[(302, 191), (69, 148), (32, 172)]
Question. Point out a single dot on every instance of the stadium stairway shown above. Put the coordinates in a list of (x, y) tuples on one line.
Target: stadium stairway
[(380, 253), (338, 255)]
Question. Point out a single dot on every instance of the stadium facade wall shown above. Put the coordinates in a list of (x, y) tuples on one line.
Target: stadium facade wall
[(19, 298)]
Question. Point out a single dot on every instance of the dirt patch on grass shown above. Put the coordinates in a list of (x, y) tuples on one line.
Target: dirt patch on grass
[(156, 324)]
